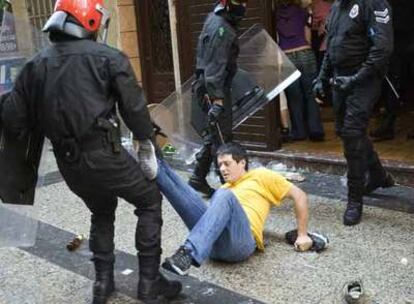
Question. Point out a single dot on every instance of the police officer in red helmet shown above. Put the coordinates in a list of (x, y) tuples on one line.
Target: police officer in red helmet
[(217, 52), (70, 91)]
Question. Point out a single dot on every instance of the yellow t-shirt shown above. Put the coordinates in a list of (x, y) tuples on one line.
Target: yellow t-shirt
[(256, 191)]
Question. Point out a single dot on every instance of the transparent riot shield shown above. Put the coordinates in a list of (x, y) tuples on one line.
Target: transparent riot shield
[(19, 158), (264, 72)]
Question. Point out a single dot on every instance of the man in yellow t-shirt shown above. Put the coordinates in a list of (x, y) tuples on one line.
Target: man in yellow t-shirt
[(231, 227)]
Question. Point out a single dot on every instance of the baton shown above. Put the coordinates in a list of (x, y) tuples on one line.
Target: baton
[(392, 87)]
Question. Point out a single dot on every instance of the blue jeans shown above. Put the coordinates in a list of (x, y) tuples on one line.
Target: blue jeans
[(303, 109), (220, 231)]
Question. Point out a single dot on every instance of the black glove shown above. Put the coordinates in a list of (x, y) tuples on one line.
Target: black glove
[(344, 83), (214, 113), (317, 88)]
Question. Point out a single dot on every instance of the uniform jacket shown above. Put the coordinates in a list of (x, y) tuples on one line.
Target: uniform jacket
[(360, 36), (217, 52), (67, 86)]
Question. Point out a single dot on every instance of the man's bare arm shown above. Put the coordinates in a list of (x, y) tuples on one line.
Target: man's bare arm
[(303, 242)]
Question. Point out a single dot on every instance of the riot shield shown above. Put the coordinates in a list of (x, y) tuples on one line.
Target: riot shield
[(19, 158), (264, 72)]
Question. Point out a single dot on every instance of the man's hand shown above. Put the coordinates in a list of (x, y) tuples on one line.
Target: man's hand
[(303, 243), (147, 159), (317, 88), (344, 83), (214, 113)]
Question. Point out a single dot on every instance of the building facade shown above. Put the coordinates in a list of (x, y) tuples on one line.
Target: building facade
[(141, 28)]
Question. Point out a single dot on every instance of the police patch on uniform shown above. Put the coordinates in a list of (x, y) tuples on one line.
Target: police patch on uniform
[(382, 16), (354, 11), (221, 31)]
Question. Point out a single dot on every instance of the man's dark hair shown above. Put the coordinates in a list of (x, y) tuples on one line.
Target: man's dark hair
[(236, 151)]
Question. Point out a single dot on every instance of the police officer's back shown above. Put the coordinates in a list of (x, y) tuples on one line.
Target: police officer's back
[(70, 91)]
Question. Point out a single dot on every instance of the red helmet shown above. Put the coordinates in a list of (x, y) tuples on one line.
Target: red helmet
[(88, 17), (87, 12)]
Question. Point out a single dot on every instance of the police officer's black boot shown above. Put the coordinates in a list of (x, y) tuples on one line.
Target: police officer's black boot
[(152, 284), (198, 180), (101, 243), (353, 213), (378, 177), (386, 130), (355, 154), (354, 207), (104, 284)]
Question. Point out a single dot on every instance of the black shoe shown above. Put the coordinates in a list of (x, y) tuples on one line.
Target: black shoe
[(353, 292), (373, 184), (319, 241), (150, 290), (103, 287), (353, 213), (180, 262), (201, 185)]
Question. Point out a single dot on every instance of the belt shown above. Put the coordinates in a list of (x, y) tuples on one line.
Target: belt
[(69, 149), (92, 143)]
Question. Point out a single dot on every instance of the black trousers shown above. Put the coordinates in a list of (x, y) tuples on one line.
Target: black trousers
[(99, 178), (213, 138), (353, 110)]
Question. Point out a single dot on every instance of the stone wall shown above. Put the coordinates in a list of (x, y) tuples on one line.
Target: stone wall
[(128, 34)]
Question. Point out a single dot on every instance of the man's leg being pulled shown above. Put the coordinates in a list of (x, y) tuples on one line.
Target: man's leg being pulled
[(205, 233)]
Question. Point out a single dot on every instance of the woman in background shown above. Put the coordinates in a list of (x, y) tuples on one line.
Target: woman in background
[(294, 32)]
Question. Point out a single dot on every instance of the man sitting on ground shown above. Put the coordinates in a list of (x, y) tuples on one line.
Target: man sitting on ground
[(231, 228)]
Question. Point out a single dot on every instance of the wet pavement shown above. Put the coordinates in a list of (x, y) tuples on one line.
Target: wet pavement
[(380, 251)]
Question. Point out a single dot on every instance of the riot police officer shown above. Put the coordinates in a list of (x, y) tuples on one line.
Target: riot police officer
[(70, 91), (217, 52), (360, 40)]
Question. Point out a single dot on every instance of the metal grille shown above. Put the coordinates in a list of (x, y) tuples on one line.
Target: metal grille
[(161, 36), (39, 11)]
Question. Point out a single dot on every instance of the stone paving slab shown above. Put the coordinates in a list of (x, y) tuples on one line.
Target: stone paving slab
[(372, 251), (51, 246)]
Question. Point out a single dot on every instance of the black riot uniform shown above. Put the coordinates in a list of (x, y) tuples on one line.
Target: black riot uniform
[(217, 52), (400, 64), (360, 42), (70, 91)]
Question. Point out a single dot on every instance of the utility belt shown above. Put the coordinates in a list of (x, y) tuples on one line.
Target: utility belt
[(106, 134)]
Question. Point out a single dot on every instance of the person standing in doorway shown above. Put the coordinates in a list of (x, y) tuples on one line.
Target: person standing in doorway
[(293, 28)]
